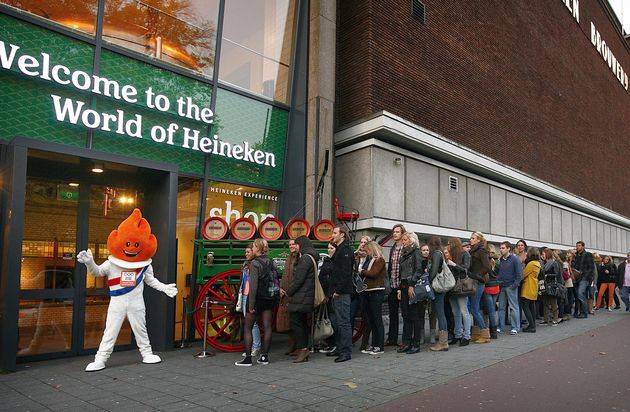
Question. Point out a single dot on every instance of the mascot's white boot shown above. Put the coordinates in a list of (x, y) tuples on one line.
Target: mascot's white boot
[(127, 269)]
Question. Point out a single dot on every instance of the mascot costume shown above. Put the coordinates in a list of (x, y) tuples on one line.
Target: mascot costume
[(127, 269)]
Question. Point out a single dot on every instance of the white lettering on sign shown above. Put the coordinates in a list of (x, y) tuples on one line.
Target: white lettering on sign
[(231, 214), (79, 112), (608, 56), (574, 8)]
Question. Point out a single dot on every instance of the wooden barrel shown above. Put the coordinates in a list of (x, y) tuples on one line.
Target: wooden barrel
[(214, 228), (298, 227), (323, 230), (271, 229), (243, 229)]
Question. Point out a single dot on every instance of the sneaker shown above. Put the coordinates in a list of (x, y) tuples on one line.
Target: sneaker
[(245, 362), (499, 330), (617, 307), (377, 351), (609, 309), (264, 359), (554, 323), (513, 332), (543, 323), (255, 353), (328, 349), (367, 351)]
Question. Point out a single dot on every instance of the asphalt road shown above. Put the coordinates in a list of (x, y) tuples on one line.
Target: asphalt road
[(588, 372)]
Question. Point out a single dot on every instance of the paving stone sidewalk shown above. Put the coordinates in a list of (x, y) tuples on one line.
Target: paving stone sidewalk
[(182, 382)]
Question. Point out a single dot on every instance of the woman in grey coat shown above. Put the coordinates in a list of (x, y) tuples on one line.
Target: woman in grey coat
[(301, 294)]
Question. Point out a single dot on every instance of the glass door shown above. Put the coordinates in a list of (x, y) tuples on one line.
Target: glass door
[(69, 207)]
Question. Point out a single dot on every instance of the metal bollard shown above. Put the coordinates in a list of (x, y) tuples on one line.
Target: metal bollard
[(204, 353), (183, 343)]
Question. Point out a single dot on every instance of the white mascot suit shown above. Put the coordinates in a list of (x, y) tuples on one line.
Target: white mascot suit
[(128, 268)]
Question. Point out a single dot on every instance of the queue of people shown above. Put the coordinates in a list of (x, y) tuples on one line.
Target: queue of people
[(472, 294)]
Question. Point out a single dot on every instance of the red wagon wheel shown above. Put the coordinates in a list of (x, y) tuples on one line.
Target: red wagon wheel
[(224, 327)]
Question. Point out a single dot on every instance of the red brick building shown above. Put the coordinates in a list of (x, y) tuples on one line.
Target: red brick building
[(532, 95)]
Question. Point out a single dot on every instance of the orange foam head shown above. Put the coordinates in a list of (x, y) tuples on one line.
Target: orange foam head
[(132, 241)]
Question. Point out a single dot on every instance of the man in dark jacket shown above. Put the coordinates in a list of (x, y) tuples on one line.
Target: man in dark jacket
[(583, 263), (623, 281), (341, 287)]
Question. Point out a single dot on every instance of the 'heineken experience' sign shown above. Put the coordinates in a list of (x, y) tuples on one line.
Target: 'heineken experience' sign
[(119, 121)]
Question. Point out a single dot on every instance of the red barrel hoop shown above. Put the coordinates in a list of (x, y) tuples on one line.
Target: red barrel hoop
[(298, 227), (243, 229), (214, 228)]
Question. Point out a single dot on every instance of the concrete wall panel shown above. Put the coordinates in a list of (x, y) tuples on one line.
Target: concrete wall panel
[(351, 190), (514, 215), (556, 217), (421, 195), (607, 242), (576, 226), (586, 229), (498, 211), (530, 214), (389, 184), (600, 235), (452, 203), (545, 224), (478, 206), (567, 233), (594, 239)]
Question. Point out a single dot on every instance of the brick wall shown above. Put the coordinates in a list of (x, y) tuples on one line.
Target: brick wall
[(517, 80)]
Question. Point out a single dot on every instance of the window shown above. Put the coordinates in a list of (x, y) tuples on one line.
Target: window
[(257, 46), (180, 32), (79, 15)]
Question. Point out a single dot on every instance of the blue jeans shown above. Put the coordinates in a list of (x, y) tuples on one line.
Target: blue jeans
[(475, 302), (490, 304), (509, 294), (256, 334), (582, 288), (342, 327), (459, 304), (624, 294), (439, 310)]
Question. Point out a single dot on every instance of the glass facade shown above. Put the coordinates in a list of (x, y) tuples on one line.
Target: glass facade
[(180, 32), (257, 46), (136, 81), (78, 15)]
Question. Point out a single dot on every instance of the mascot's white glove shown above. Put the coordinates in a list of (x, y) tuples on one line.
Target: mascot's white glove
[(170, 289), (86, 257)]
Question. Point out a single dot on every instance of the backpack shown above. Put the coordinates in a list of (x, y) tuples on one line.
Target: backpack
[(268, 283)]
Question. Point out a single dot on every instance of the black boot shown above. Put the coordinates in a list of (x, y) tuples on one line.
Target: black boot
[(454, 340)]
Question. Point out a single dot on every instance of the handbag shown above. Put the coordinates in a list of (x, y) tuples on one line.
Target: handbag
[(422, 290), (464, 286), (320, 296), (322, 328), (359, 283), (282, 318), (577, 275), (444, 280)]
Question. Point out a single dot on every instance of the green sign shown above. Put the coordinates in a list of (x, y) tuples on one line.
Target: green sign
[(67, 195), (134, 108)]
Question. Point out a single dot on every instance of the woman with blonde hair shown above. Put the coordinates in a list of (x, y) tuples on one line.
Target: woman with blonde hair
[(453, 255), (257, 304), (480, 271), (410, 273), (374, 275)]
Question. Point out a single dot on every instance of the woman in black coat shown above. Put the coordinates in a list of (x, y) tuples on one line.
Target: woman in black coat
[(301, 294)]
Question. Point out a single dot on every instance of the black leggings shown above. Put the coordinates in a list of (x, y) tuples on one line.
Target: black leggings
[(529, 308), (264, 323)]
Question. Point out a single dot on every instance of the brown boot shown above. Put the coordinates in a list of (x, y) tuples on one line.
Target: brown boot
[(302, 355), (484, 337), (442, 344), (475, 332)]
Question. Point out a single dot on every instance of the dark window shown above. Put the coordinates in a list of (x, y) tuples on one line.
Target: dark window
[(418, 11)]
